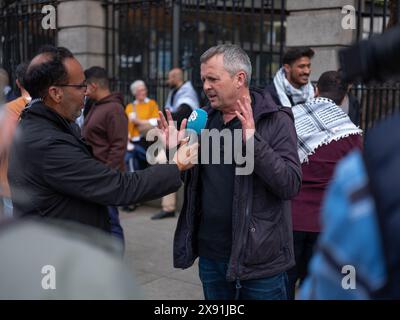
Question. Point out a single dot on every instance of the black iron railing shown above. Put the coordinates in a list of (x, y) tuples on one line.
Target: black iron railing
[(147, 38), (22, 33), (377, 101)]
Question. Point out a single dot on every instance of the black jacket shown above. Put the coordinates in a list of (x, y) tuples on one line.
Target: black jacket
[(262, 243), (52, 173), (271, 89), (354, 109), (382, 161)]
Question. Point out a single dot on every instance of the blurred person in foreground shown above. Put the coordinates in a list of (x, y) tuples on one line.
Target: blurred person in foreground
[(358, 251), (55, 259), (357, 254), (8, 123)]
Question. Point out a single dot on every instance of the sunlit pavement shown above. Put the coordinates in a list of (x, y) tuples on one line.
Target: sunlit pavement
[(149, 255)]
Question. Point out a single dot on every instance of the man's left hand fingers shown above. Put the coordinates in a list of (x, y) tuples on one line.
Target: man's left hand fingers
[(169, 117)]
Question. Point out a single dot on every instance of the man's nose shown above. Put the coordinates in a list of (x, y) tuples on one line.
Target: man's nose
[(206, 85)]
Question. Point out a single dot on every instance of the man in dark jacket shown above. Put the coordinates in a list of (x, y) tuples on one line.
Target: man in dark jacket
[(106, 130), (240, 225), (52, 172)]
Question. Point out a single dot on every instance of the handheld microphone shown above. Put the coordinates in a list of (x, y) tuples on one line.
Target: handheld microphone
[(197, 121)]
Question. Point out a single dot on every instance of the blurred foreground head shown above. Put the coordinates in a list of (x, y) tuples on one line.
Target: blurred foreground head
[(374, 59), (61, 260)]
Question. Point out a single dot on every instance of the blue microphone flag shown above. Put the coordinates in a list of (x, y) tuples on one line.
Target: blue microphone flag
[(197, 120)]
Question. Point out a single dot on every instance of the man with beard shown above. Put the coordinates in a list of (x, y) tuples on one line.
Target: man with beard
[(291, 83), (181, 101), (52, 171)]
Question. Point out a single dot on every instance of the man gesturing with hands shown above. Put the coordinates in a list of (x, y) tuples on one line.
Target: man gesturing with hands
[(52, 171), (240, 225)]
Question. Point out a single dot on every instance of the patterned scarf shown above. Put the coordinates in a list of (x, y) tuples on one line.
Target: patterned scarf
[(286, 90), (319, 122)]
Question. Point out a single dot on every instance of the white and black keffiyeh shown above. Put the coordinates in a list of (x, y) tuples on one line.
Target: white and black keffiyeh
[(319, 122), (285, 89)]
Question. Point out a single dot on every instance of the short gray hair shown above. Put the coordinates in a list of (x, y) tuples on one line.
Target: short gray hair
[(234, 57), (136, 84)]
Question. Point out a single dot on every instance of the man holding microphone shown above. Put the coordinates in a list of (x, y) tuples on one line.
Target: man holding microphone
[(52, 172)]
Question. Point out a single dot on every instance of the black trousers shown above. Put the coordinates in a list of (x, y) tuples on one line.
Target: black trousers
[(304, 245)]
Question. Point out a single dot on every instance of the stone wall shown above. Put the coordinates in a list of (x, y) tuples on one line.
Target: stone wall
[(81, 28), (318, 24)]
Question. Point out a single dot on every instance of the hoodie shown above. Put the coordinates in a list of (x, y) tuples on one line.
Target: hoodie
[(106, 130)]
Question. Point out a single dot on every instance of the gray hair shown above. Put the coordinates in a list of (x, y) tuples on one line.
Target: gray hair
[(234, 57), (136, 84)]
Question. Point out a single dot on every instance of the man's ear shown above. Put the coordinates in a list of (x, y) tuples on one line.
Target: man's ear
[(241, 79), (55, 93), (316, 92), (93, 86), (287, 68)]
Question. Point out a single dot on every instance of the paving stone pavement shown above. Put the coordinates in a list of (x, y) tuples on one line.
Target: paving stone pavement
[(149, 255)]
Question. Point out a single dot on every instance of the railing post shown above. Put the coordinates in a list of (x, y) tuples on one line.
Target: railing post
[(398, 13), (176, 21)]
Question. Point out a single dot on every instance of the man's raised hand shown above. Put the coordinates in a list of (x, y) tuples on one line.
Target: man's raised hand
[(187, 155), (170, 135)]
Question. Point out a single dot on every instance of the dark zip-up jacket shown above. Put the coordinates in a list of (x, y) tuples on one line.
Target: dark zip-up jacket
[(53, 174), (262, 243), (382, 161)]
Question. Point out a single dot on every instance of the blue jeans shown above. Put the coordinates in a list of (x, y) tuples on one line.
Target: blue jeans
[(216, 287), (116, 228), (7, 207), (304, 245), (135, 158)]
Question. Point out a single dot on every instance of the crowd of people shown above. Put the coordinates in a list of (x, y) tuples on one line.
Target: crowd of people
[(79, 152)]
